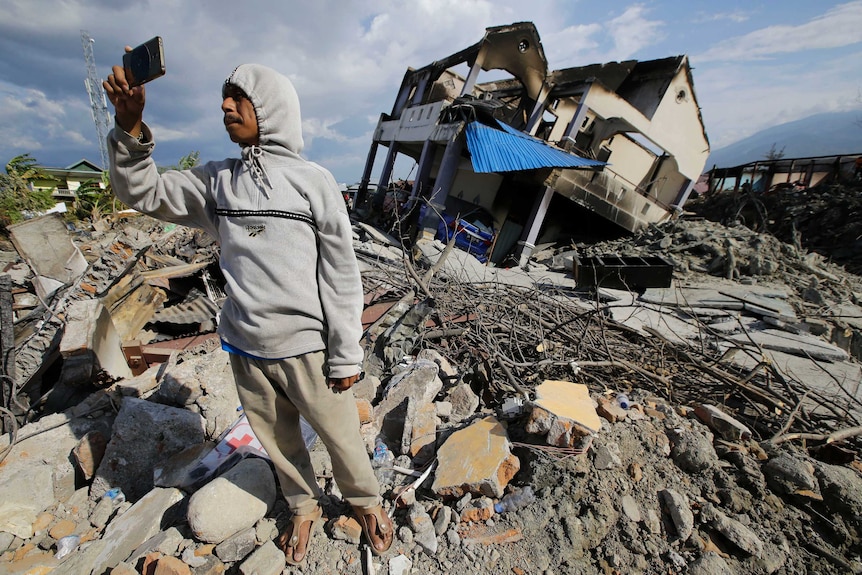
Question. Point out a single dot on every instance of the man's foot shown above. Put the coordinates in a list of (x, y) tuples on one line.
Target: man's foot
[(376, 526), (295, 539)]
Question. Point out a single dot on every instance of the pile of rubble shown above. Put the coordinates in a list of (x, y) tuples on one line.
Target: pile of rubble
[(518, 423), (826, 219)]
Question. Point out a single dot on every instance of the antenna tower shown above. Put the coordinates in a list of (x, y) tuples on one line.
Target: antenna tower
[(98, 105)]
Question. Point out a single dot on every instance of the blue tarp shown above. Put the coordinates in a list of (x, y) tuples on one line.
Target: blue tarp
[(509, 150)]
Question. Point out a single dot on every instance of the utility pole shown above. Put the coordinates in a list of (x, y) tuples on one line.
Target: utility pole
[(98, 105)]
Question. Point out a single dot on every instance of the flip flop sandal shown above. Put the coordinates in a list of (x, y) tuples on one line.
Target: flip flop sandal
[(288, 545), (384, 526)]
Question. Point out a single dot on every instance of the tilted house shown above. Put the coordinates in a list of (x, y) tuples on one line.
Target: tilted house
[(625, 140), (65, 182)]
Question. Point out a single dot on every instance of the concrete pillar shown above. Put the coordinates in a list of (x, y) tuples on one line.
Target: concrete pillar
[(362, 192), (474, 74), (423, 170), (538, 110), (684, 193), (419, 94), (534, 224), (442, 185), (579, 116), (383, 183)]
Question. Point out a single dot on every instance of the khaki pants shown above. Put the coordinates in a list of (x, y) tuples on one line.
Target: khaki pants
[(274, 393)]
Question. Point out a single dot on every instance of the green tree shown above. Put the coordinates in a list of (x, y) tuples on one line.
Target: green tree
[(95, 198), (17, 195), (187, 162)]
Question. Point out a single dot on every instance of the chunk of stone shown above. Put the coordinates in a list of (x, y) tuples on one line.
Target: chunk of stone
[(26, 492), (144, 433), (237, 546), (89, 452), (400, 565), (446, 369), (464, 401), (842, 490), (476, 459), (165, 542), (127, 532), (420, 431), (691, 451), (442, 519), (631, 509), (611, 410), (91, 344), (207, 381), (478, 510), (734, 531), (234, 501), (721, 423), (607, 456), (266, 560), (710, 564), (418, 383), (678, 509), (346, 528), (564, 411), (423, 529), (786, 475)]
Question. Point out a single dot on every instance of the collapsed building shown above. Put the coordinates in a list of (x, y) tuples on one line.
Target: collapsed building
[(541, 152)]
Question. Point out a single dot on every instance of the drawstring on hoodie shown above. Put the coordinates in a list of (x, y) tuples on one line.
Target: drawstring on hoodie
[(252, 157)]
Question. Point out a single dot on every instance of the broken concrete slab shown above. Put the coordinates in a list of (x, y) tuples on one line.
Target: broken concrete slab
[(24, 474), (205, 380), (91, 344), (62, 264), (804, 345), (125, 534), (476, 459), (420, 383), (144, 432), (420, 431), (564, 411)]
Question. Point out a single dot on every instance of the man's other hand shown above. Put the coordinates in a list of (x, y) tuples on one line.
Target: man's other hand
[(338, 384), (128, 102)]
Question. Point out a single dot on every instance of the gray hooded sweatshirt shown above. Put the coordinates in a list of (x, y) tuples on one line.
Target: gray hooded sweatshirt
[(292, 281)]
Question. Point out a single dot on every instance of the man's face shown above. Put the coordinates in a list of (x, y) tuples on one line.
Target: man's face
[(240, 120)]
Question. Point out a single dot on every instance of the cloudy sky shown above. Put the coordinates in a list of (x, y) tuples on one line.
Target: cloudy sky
[(757, 63)]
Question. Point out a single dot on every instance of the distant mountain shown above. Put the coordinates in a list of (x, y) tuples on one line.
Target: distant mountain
[(819, 135)]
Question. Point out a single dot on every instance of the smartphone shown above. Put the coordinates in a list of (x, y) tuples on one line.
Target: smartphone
[(145, 63)]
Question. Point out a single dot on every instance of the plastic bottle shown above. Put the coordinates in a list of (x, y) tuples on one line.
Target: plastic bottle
[(382, 461), (116, 495), (623, 400), (382, 454), (66, 545), (515, 500)]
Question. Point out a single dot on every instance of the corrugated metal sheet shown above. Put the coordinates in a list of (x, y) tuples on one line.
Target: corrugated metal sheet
[(508, 150)]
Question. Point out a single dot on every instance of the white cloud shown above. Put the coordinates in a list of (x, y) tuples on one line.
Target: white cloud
[(30, 121), (632, 31), (840, 26), (619, 38), (737, 16)]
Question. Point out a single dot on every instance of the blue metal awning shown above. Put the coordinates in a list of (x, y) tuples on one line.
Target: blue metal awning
[(509, 150)]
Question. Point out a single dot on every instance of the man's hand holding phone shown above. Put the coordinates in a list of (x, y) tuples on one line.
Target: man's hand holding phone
[(124, 86)]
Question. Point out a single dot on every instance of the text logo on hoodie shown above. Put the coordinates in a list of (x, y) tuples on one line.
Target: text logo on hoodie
[(255, 230)]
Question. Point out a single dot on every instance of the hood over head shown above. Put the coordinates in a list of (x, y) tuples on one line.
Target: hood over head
[(276, 106)]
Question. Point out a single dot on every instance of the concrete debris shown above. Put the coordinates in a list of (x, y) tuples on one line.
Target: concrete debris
[(564, 412), (738, 441)]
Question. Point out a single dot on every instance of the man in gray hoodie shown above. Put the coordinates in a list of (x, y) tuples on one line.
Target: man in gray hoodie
[(291, 320)]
